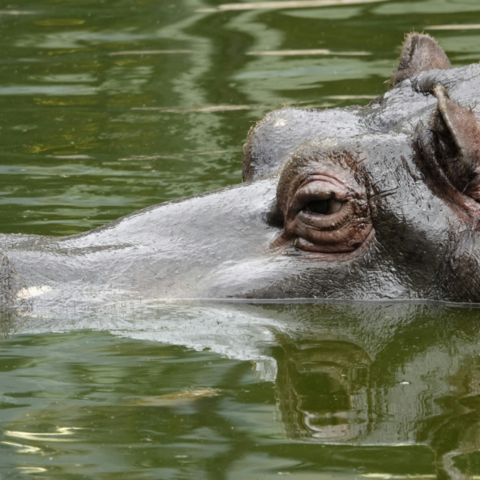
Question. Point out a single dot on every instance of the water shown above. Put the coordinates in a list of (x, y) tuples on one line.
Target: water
[(110, 106)]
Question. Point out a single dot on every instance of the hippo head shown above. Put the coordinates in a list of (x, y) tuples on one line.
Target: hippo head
[(380, 201), (374, 202)]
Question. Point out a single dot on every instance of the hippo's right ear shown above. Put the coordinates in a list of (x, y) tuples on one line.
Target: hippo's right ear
[(420, 53), (451, 140)]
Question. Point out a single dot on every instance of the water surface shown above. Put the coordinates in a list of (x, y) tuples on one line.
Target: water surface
[(111, 106)]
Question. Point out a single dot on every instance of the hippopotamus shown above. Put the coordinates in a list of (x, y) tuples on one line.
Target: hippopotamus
[(370, 202)]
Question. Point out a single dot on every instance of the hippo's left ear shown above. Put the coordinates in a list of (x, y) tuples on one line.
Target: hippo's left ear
[(420, 53), (452, 140)]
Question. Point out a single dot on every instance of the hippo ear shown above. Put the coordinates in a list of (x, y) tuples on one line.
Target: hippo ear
[(453, 139), (420, 53)]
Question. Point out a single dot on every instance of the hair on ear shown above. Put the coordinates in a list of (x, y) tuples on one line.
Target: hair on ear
[(420, 53)]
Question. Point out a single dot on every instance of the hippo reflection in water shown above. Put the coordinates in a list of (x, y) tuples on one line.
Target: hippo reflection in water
[(375, 202), (386, 377), (390, 390)]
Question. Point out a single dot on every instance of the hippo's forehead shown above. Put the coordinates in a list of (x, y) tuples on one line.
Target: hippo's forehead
[(282, 131), (401, 109)]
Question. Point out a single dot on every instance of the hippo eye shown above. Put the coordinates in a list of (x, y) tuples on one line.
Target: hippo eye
[(324, 211), (324, 207)]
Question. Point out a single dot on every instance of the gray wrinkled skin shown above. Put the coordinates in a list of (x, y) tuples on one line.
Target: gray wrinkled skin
[(219, 244)]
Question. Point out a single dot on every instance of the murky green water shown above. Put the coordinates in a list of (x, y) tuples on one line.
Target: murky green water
[(110, 106)]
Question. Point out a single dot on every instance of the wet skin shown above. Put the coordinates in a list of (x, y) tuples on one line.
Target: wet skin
[(375, 202)]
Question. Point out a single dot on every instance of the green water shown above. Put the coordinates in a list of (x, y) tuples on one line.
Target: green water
[(110, 106)]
